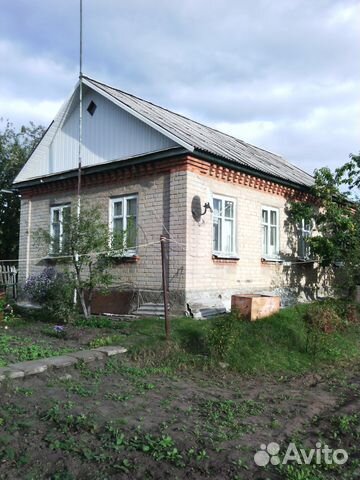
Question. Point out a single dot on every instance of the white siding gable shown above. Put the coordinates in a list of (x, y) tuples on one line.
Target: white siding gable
[(110, 134)]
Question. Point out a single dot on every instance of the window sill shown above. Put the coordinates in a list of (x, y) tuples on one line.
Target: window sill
[(305, 260), (224, 259), (125, 258), (54, 259), (271, 260)]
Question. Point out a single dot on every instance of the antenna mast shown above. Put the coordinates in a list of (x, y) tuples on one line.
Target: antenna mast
[(80, 111)]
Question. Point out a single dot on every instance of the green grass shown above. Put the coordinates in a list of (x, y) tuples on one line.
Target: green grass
[(273, 345), (19, 349)]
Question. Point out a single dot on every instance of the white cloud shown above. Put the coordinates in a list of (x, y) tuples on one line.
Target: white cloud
[(252, 132), (278, 74), (20, 111)]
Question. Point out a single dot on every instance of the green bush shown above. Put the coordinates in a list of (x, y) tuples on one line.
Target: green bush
[(322, 320), (222, 336), (54, 292)]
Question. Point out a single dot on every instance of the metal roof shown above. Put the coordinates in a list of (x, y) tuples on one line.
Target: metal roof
[(206, 139)]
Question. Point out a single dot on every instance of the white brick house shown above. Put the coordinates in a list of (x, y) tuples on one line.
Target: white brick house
[(160, 169)]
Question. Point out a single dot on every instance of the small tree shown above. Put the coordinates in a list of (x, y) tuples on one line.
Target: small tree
[(15, 148), (88, 250), (337, 218)]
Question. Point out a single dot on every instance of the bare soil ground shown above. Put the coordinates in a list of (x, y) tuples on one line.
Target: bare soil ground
[(120, 421)]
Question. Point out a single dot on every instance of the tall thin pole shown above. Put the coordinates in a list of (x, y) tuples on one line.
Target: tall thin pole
[(80, 112), (78, 210), (165, 287)]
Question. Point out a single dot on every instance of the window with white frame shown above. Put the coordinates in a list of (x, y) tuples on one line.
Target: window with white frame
[(223, 226), (270, 232), (123, 222), (59, 228), (305, 232)]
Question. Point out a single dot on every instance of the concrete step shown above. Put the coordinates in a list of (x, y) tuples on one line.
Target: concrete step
[(209, 312), (150, 310)]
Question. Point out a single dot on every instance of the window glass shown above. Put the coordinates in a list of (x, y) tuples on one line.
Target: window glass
[(60, 229), (131, 207), (223, 226), (229, 209), (118, 209), (124, 223), (270, 231)]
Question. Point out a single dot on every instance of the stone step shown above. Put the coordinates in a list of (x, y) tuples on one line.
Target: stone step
[(150, 310), (33, 367), (209, 312)]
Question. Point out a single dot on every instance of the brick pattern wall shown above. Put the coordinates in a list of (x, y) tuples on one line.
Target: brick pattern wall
[(212, 282), (161, 210), (165, 193)]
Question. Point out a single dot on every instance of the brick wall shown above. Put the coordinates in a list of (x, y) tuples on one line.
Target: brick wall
[(212, 282), (161, 210), (165, 195)]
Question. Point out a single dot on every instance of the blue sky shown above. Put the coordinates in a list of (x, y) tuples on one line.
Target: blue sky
[(283, 75)]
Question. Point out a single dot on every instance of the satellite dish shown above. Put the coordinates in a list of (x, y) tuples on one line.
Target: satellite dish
[(196, 208)]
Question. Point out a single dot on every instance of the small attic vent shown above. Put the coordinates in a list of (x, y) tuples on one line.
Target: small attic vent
[(91, 108)]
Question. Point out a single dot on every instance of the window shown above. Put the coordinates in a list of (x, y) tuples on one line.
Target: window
[(123, 216), (304, 230), (270, 232), (91, 108), (223, 226), (59, 228)]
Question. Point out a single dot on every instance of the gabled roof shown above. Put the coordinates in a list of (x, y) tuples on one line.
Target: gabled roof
[(201, 138), (188, 135)]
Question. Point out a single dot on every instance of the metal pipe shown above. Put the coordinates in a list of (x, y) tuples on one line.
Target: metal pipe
[(80, 114), (165, 287)]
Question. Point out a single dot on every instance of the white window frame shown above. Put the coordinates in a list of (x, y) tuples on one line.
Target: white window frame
[(123, 198), (265, 255), (60, 209), (305, 231), (222, 253)]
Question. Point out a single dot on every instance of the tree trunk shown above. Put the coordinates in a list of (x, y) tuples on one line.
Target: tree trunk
[(81, 294)]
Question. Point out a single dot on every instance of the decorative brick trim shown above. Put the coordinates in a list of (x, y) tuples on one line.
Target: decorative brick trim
[(232, 176), (185, 163)]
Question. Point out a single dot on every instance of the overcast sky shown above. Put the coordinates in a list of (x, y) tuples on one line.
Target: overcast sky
[(284, 74)]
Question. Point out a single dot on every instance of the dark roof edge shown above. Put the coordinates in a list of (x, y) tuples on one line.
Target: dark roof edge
[(171, 152)]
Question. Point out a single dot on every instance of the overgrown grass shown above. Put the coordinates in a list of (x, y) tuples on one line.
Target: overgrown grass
[(277, 344), (273, 345), (19, 349)]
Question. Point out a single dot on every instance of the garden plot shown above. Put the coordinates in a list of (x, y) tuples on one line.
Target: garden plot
[(116, 420)]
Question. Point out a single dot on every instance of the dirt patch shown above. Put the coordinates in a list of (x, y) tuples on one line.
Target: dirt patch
[(116, 420)]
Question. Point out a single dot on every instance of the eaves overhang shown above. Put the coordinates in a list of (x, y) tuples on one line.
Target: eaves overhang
[(163, 155), (108, 166)]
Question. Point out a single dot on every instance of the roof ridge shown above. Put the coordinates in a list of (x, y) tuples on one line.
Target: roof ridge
[(187, 118)]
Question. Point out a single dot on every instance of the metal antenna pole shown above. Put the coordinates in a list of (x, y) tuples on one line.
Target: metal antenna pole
[(80, 112), (78, 210)]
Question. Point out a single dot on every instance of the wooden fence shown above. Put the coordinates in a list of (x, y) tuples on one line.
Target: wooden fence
[(9, 279)]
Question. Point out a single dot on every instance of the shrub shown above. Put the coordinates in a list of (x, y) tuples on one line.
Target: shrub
[(53, 291), (223, 335), (321, 320)]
